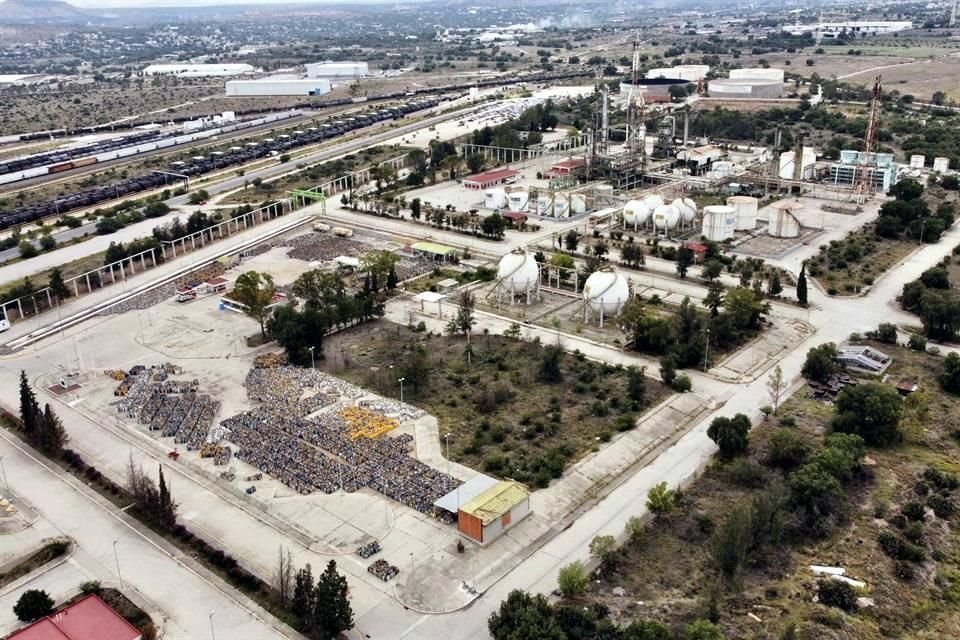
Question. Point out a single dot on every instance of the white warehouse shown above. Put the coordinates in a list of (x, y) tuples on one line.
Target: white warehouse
[(688, 72), (197, 70), (337, 70), (757, 74), (278, 87)]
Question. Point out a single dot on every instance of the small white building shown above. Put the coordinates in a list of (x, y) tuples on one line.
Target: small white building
[(848, 30), (337, 70)]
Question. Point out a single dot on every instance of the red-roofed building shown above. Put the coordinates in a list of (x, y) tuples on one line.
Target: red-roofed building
[(564, 167), (88, 618), (490, 179), (699, 250)]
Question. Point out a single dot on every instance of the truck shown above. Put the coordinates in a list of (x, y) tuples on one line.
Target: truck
[(321, 227), (343, 232)]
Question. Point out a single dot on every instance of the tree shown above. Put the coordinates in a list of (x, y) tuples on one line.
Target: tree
[(571, 240), (787, 449), (774, 287), (745, 307), (835, 593), (475, 162), (415, 208), (871, 411), (647, 630), (802, 285), (816, 494), (201, 196), (283, 575), (714, 298), (668, 370), (949, 377), (493, 226), (684, 260), (167, 508), (464, 320), (702, 630), (821, 362), (732, 542), (332, 611), (27, 250), (303, 605), (30, 416), (524, 617), (58, 289), (660, 499), (712, 270), (730, 434), (47, 242), (551, 364), (906, 190), (636, 384), (255, 292), (50, 437), (33, 605), (776, 387), (632, 255), (572, 579), (602, 548)]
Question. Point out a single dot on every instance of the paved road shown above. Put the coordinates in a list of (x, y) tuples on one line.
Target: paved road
[(20, 270)]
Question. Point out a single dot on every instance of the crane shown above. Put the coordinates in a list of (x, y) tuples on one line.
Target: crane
[(863, 182)]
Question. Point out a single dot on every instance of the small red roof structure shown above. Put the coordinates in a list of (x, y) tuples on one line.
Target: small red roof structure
[(86, 619), (564, 167), (516, 216), (905, 387), (490, 178), (696, 247)]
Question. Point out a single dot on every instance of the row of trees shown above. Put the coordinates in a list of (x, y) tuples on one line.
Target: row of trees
[(321, 606), (933, 298), (42, 429), (909, 212)]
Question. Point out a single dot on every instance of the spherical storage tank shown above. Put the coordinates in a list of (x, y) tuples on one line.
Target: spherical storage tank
[(652, 201), (666, 217), (687, 209), (783, 220), (635, 214), (605, 292), (494, 198), (746, 208), (518, 273), (719, 222), (517, 200)]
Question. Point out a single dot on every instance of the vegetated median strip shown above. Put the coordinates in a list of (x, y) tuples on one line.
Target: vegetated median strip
[(210, 558), (40, 558)]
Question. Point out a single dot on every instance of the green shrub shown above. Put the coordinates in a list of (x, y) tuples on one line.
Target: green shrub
[(835, 593)]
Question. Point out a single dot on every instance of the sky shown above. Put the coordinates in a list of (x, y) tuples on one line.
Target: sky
[(119, 4)]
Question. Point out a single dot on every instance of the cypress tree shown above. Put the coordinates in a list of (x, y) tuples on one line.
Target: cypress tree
[(802, 285), (304, 597), (29, 409), (333, 611), (166, 509), (50, 436)]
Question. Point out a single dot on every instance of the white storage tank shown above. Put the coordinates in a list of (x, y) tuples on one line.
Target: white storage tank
[(666, 217), (544, 205), (635, 214), (719, 222), (494, 198), (941, 165), (578, 203), (746, 209), (518, 275), (605, 292), (518, 200), (690, 213), (917, 161), (652, 202), (561, 206), (783, 220)]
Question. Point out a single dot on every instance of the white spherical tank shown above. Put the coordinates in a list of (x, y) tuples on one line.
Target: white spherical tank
[(783, 220), (606, 291), (666, 217), (691, 208), (561, 206), (518, 272), (652, 201), (635, 214), (719, 222), (494, 198), (686, 213), (746, 208), (578, 203), (517, 200)]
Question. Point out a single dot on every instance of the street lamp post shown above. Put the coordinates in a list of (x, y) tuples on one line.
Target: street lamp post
[(213, 634), (3, 472), (706, 354), (446, 437), (313, 365), (116, 558), (411, 566), (400, 380)]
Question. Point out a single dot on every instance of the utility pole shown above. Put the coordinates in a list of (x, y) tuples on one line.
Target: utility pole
[(116, 558)]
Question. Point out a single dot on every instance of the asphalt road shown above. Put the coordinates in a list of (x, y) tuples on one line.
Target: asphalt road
[(367, 138)]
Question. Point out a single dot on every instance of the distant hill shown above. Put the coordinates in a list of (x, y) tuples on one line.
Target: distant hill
[(32, 11)]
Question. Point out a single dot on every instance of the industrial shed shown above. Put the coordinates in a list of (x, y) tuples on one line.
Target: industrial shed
[(494, 511), (745, 88), (337, 70), (278, 87), (434, 251), (490, 179)]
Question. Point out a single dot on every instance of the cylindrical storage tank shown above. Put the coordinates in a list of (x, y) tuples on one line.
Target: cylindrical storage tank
[(561, 206), (606, 291), (517, 200), (518, 272), (941, 165), (783, 221), (917, 161), (543, 206), (719, 222), (604, 189), (578, 204), (494, 198), (690, 212), (635, 214), (746, 208), (666, 217)]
